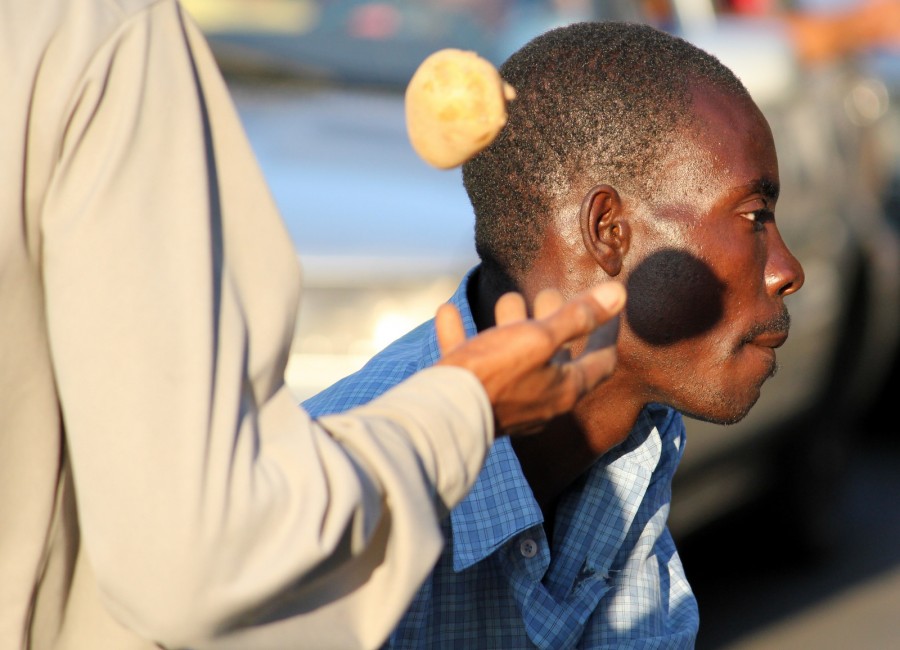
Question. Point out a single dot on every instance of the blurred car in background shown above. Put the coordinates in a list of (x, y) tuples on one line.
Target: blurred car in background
[(384, 239)]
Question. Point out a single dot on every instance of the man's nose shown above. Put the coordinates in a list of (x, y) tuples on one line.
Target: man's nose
[(784, 274)]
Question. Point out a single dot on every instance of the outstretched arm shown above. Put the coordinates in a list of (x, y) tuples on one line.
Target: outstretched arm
[(211, 509)]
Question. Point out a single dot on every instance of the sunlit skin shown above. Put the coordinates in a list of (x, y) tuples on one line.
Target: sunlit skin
[(707, 273)]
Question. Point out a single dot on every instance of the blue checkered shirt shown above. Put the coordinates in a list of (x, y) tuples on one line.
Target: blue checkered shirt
[(612, 577)]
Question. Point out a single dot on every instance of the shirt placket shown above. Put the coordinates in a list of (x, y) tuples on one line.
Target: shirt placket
[(549, 622)]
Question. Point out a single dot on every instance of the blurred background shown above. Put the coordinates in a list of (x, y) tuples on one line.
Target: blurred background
[(788, 522)]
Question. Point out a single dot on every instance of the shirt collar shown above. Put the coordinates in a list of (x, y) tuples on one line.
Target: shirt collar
[(477, 530), (461, 301), (498, 507)]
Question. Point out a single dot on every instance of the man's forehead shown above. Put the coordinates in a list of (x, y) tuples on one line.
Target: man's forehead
[(703, 171), (729, 134)]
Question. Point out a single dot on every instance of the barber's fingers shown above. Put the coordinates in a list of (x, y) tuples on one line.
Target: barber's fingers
[(584, 313), (561, 321), (546, 302), (449, 328), (510, 308), (590, 368)]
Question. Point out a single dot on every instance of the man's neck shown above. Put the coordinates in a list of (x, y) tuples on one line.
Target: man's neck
[(567, 446), (483, 292)]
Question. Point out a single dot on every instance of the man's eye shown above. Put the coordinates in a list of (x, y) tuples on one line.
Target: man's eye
[(759, 217)]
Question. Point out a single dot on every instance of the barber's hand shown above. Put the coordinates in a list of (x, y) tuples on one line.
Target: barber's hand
[(525, 365)]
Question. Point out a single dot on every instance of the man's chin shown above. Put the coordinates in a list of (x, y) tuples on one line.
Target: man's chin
[(731, 409), (724, 412), (724, 420)]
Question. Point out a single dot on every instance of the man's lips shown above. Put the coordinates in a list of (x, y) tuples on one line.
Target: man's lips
[(763, 345), (771, 333), (770, 339)]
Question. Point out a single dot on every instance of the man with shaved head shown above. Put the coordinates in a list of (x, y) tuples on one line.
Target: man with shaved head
[(629, 155)]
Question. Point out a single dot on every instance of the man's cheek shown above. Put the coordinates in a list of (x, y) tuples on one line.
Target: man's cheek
[(673, 296)]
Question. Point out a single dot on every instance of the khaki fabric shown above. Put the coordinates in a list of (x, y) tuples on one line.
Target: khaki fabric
[(158, 483)]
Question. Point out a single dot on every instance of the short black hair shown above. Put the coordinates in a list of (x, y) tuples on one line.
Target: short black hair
[(595, 102)]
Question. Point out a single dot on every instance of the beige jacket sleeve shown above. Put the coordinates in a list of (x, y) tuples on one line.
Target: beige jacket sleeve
[(210, 506)]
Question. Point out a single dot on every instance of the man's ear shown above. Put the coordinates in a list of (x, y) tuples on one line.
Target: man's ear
[(604, 228)]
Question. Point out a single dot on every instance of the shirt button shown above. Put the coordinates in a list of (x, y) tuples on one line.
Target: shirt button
[(528, 548)]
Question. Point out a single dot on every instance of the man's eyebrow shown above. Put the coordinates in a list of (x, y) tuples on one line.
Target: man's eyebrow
[(765, 186)]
